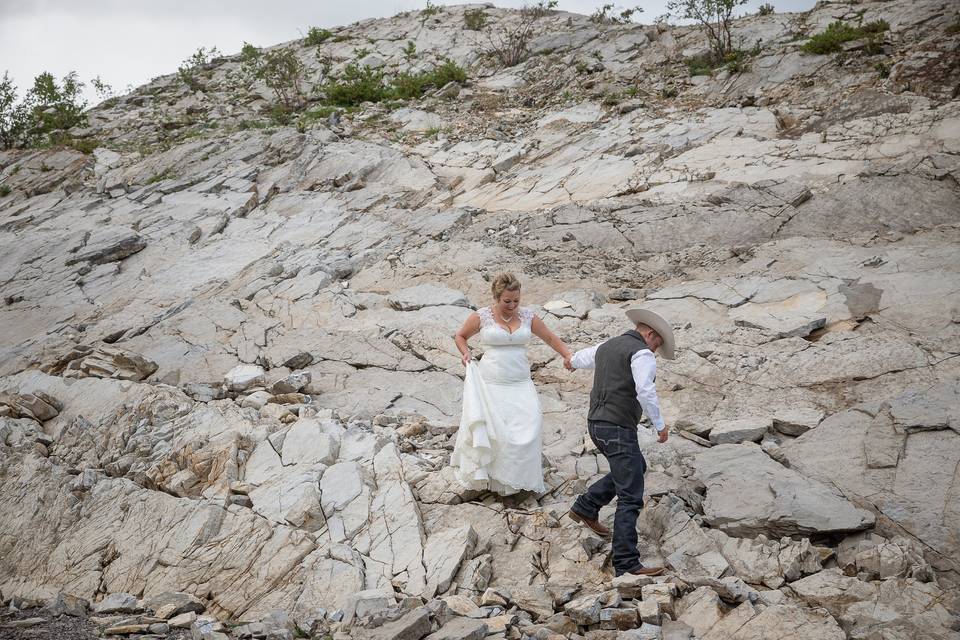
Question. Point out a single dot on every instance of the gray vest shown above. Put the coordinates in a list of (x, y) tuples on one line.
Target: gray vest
[(614, 395)]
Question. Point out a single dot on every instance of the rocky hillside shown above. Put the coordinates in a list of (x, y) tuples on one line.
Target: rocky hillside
[(229, 389)]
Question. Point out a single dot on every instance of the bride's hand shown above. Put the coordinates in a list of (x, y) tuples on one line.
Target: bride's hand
[(467, 357), (568, 364)]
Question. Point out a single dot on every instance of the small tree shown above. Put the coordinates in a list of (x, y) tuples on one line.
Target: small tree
[(280, 69), (47, 109), (10, 120), (189, 67), (714, 18), (104, 90)]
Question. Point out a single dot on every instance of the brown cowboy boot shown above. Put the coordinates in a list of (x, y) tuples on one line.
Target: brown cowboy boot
[(593, 525), (641, 570)]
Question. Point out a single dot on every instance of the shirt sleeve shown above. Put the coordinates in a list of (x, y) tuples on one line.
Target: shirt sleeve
[(644, 367), (585, 358)]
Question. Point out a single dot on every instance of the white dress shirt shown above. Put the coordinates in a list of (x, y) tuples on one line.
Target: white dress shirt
[(643, 364)]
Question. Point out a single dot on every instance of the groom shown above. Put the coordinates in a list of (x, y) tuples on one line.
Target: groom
[(623, 389)]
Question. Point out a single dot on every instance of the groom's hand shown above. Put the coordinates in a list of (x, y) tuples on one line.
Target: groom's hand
[(662, 436)]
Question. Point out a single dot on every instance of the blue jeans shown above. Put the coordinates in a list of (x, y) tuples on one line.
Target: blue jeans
[(620, 447)]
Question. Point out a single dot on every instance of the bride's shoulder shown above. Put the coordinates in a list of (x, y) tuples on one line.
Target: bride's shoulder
[(486, 315), (526, 314)]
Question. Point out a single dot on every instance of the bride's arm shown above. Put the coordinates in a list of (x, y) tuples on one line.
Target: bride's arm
[(543, 332), (470, 328)]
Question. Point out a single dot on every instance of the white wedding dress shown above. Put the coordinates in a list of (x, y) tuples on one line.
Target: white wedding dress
[(498, 445)]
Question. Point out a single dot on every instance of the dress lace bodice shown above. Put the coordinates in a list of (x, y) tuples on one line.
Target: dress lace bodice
[(493, 334)]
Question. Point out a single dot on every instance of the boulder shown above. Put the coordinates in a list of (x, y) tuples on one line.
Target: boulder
[(110, 245), (737, 431), (748, 493), (795, 421), (118, 603), (67, 605), (171, 604), (426, 295), (311, 442), (244, 376), (442, 555), (461, 629)]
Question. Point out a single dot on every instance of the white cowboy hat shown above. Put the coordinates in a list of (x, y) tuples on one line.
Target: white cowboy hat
[(658, 324)]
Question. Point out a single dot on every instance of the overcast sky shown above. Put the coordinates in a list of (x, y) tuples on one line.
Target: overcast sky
[(128, 42)]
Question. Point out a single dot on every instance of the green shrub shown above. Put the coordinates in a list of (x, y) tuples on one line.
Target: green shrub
[(362, 84), (765, 9), (832, 39), (356, 85), (713, 17), (410, 51), (735, 61), (4, 190), (447, 72), (317, 36), (430, 10), (189, 67), (474, 19), (876, 26), (611, 99), (883, 68), (701, 65), (540, 9), (407, 86), (280, 69), (610, 14), (47, 110), (83, 145), (955, 27)]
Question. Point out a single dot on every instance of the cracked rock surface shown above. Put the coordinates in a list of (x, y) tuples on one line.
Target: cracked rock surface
[(229, 392)]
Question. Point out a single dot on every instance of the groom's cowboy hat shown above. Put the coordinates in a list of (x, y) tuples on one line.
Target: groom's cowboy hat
[(658, 324)]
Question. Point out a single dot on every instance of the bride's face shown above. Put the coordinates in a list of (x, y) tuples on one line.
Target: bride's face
[(508, 302)]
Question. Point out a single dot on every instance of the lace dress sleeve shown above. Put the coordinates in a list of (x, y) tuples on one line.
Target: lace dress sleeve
[(526, 316)]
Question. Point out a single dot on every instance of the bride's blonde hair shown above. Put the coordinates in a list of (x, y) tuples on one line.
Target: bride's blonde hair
[(504, 282)]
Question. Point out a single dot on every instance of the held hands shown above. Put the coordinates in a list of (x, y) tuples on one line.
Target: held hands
[(662, 436), (568, 364)]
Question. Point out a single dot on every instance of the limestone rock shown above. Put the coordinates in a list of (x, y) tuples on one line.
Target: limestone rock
[(585, 610), (118, 603), (700, 609), (171, 604), (412, 626), (426, 295), (795, 421), (461, 629), (66, 604), (737, 431), (102, 362), (310, 442), (748, 493), (111, 245), (442, 555), (244, 376)]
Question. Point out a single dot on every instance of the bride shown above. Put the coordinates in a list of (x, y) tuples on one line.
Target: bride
[(498, 444)]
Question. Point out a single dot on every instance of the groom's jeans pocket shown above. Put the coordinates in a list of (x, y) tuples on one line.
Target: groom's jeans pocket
[(609, 438)]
